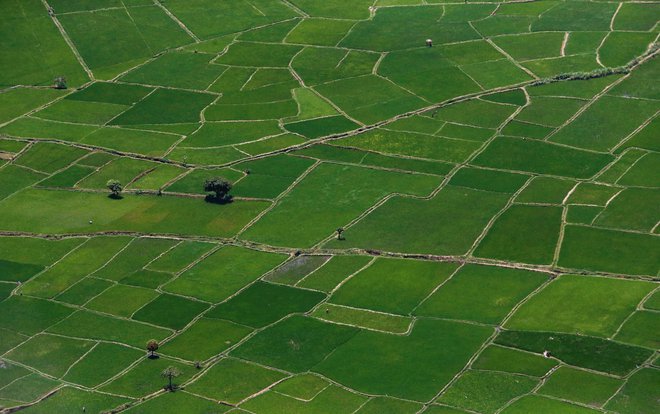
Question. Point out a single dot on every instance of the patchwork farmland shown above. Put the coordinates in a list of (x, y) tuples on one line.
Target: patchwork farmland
[(337, 206)]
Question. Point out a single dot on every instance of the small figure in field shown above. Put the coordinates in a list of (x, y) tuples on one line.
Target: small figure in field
[(60, 82), (340, 231), (429, 42)]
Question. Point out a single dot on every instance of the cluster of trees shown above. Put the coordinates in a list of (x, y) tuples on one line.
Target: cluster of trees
[(170, 372), (217, 186), (220, 188)]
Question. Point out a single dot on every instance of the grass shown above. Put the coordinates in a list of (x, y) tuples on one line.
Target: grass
[(581, 305), (346, 192), (608, 120), (496, 194), (30, 316), (218, 134), (52, 355), (369, 99), (85, 324), (264, 303), (412, 145), (84, 290), (269, 177), (19, 101), (580, 386), (481, 293), (545, 405), (28, 389), (526, 234), (102, 363), (36, 66), (296, 344), (541, 157), (146, 31), (144, 378), (204, 339), (578, 350), (121, 300), (322, 32), (334, 398), (166, 106), (638, 395), (333, 272), (608, 250), (498, 358), (75, 266), (303, 386), (14, 179), (293, 271), (391, 285), (175, 70), (387, 370), (175, 402), (158, 311), (632, 209), (133, 257), (223, 273), (498, 181), (180, 256), (365, 319), (83, 112), (638, 330), (486, 392), (454, 224), (220, 382), (70, 212)]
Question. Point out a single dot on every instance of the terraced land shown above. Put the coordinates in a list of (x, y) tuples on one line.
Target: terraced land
[(466, 226)]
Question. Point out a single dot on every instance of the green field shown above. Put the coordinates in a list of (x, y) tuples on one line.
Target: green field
[(330, 206)]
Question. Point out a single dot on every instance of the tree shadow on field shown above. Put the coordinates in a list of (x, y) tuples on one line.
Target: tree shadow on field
[(210, 198), (115, 196)]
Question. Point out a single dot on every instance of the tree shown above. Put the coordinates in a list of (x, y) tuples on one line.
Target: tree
[(60, 82), (170, 373), (115, 188), (152, 347), (340, 231), (220, 187)]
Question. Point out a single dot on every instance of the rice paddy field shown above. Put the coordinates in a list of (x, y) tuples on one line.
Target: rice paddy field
[(439, 207)]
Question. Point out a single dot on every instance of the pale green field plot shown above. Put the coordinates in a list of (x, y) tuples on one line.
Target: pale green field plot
[(581, 304), (220, 382), (394, 286), (333, 207), (223, 273), (580, 386), (485, 392), (480, 293), (29, 25), (449, 223)]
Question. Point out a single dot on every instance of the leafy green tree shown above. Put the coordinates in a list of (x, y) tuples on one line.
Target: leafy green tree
[(170, 373), (220, 187), (115, 188)]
